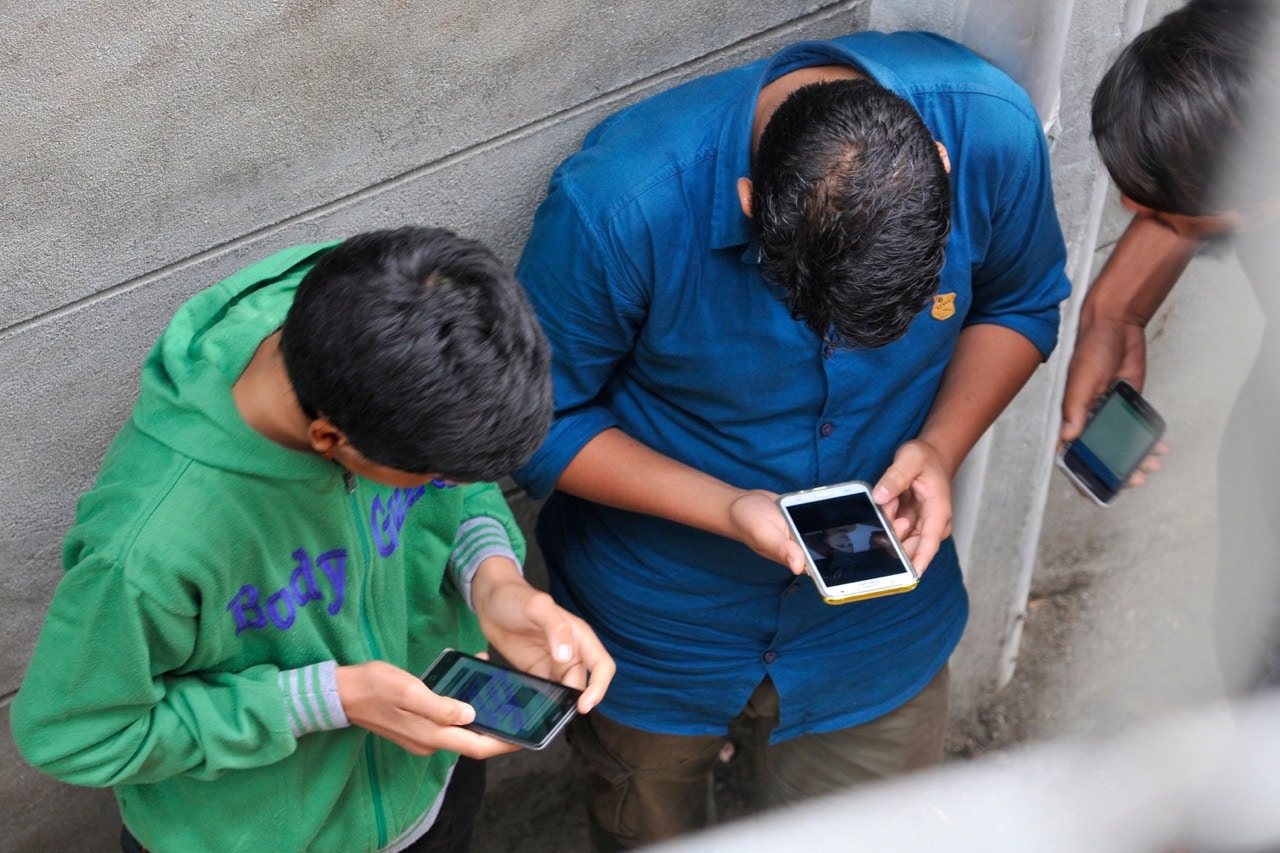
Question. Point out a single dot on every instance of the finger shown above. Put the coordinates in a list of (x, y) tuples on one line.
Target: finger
[(888, 490), (441, 710), (557, 630), (935, 525), (1077, 400), (560, 641), (602, 671), (471, 744), (1075, 410), (1074, 417), (791, 555), (1151, 464), (592, 669)]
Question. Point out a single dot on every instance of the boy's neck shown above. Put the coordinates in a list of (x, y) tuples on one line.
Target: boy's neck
[(266, 400)]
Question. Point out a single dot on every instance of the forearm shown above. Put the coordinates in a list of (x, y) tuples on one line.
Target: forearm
[(989, 366), (618, 471), (1111, 338), (1142, 269)]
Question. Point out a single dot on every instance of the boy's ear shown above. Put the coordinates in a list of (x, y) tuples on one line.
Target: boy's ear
[(325, 437)]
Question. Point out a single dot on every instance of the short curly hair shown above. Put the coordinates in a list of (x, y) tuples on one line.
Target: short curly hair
[(421, 347), (851, 206)]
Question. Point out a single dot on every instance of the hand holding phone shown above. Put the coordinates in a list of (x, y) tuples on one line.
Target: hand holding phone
[(512, 706), (386, 700), (851, 550), (1122, 429)]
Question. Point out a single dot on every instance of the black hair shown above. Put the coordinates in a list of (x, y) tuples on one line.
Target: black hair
[(422, 348), (851, 206), (1171, 112)]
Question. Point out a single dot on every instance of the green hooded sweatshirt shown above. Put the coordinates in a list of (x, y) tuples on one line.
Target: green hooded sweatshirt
[(215, 579)]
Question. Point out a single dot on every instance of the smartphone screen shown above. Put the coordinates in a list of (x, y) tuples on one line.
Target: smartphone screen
[(510, 705), (1120, 433), (846, 539)]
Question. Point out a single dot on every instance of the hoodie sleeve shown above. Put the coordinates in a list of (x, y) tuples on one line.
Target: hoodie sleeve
[(105, 701), (488, 529)]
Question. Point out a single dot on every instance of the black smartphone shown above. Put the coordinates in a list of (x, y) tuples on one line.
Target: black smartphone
[(510, 705), (1122, 430)]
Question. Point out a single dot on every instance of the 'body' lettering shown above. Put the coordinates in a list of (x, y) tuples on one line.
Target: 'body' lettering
[(280, 607)]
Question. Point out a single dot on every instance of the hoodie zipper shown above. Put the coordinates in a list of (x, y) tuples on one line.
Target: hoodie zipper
[(375, 790)]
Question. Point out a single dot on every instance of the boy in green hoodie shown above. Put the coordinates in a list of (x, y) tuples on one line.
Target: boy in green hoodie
[(291, 525)]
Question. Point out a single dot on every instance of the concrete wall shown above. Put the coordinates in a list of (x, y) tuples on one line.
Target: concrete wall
[(1057, 50), (149, 150)]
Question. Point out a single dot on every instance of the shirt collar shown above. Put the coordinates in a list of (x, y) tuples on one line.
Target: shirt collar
[(729, 225)]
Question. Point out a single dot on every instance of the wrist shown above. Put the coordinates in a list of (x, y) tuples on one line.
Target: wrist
[(478, 541), (491, 575), (313, 697), (1101, 312), (934, 444)]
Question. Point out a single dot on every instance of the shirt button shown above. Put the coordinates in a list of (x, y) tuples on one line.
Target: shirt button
[(828, 351), (827, 429), (770, 656)]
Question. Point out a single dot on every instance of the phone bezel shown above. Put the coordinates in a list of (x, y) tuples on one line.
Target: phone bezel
[(903, 581), (1080, 473), (566, 707)]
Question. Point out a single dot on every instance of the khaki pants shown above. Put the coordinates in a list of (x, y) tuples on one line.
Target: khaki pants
[(645, 787)]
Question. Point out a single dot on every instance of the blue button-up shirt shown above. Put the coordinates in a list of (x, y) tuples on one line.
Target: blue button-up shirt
[(642, 268)]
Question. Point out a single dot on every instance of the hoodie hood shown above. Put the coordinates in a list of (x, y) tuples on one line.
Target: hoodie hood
[(185, 401)]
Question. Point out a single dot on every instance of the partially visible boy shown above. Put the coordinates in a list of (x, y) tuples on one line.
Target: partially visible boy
[(280, 541), (1185, 120)]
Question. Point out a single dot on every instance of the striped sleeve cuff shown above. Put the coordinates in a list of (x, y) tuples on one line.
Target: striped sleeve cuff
[(311, 698), (478, 539)]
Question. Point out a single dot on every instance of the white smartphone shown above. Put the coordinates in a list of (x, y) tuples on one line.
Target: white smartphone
[(513, 706), (851, 551), (1122, 430)]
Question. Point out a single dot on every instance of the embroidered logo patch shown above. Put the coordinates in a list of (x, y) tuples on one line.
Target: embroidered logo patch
[(944, 306)]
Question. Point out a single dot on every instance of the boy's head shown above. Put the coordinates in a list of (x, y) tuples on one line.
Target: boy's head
[(420, 347), (1173, 110), (851, 205)]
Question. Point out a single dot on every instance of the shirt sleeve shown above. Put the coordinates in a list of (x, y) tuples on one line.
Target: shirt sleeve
[(105, 702), (592, 308), (1021, 280)]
